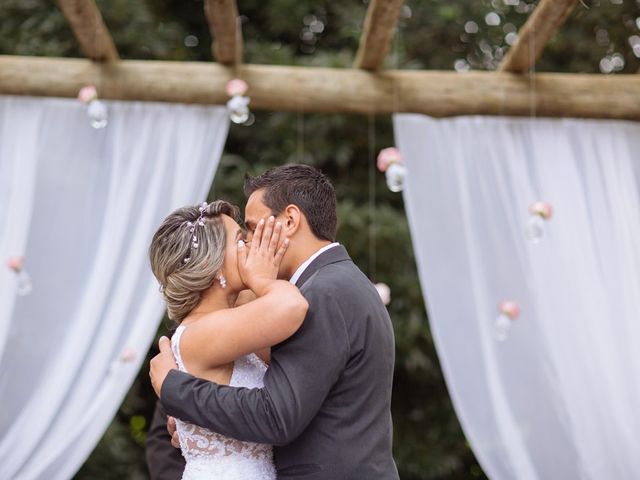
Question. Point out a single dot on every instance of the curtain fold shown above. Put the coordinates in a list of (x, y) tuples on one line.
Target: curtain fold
[(81, 206), (17, 172), (558, 398)]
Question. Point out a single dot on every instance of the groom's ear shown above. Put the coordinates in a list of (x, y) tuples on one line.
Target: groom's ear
[(291, 220)]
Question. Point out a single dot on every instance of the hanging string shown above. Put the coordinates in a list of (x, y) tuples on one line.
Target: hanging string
[(238, 52), (300, 139), (371, 134), (97, 61), (532, 79), (533, 113), (395, 61)]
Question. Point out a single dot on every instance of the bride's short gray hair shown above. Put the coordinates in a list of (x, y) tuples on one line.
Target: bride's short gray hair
[(183, 282)]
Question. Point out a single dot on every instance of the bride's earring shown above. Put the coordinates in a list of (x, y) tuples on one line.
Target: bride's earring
[(223, 281)]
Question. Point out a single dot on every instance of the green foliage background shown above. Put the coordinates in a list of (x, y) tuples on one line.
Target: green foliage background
[(432, 34)]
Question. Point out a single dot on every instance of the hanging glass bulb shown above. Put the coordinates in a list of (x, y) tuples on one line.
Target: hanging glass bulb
[(24, 285), (501, 328), (250, 120), (534, 231), (238, 107), (98, 114), (539, 212), (509, 311), (396, 174)]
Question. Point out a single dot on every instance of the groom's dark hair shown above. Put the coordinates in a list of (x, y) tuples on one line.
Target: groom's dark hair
[(301, 185)]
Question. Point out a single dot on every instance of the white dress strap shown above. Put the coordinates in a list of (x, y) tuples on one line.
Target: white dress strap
[(175, 347)]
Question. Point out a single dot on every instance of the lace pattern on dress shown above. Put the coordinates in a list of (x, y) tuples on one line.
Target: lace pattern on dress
[(197, 442)]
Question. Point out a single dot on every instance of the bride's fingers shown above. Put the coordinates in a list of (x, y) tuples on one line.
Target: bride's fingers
[(175, 440), (242, 254), (171, 425), (280, 253), (257, 236), (275, 239), (267, 234)]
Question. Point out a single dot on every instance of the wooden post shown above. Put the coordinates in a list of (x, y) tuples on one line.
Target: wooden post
[(379, 27), (89, 29), (224, 25), (547, 17), (435, 93)]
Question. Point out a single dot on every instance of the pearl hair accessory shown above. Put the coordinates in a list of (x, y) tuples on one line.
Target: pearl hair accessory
[(192, 229)]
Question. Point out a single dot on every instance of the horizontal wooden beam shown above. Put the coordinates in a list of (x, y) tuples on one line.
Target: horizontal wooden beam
[(279, 88), (89, 29), (379, 27), (224, 26), (547, 17)]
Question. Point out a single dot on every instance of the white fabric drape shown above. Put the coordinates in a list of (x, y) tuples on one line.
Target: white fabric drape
[(17, 173), (559, 398), (81, 205)]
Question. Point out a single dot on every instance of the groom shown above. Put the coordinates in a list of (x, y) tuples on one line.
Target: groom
[(325, 404)]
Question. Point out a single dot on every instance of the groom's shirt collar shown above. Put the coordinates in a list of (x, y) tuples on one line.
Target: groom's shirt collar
[(303, 267)]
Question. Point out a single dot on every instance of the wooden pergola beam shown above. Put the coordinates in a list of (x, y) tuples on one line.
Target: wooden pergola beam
[(379, 27), (280, 88), (89, 29), (224, 26), (547, 17)]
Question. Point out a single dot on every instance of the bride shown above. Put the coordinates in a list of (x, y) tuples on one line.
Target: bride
[(200, 258)]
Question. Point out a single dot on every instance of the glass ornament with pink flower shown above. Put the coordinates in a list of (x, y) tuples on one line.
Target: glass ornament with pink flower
[(96, 109), (539, 213), (238, 104), (508, 312), (16, 265), (390, 162)]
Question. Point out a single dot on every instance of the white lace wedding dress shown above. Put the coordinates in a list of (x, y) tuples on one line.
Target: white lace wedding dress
[(210, 455)]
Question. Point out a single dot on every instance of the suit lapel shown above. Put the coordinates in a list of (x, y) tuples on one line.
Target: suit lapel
[(333, 255)]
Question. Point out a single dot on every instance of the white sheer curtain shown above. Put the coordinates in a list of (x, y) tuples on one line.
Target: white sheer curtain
[(81, 205), (559, 398)]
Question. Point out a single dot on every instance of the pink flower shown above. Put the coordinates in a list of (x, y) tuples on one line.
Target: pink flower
[(387, 156), (384, 291), (128, 355), (236, 87), (543, 209), (87, 93), (15, 263), (510, 308)]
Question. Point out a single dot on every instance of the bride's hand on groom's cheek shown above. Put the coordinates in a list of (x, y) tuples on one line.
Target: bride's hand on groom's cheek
[(161, 364), (259, 262)]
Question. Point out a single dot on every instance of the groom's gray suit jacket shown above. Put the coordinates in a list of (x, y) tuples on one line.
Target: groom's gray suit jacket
[(325, 405)]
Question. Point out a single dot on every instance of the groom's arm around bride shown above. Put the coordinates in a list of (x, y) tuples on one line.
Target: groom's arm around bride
[(326, 399)]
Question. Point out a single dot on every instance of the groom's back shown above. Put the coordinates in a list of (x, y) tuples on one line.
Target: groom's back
[(349, 331)]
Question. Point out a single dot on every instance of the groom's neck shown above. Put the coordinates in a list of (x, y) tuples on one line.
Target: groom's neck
[(300, 251)]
